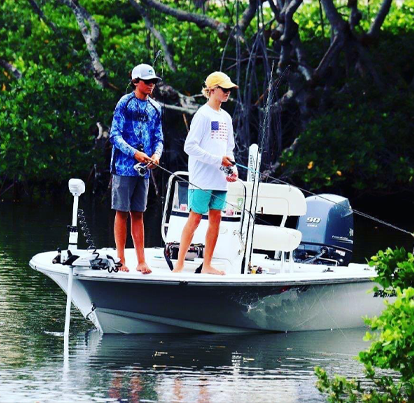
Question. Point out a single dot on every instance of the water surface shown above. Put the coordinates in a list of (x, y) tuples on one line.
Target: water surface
[(179, 368)]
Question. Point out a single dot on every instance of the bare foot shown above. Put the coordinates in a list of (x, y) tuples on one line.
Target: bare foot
[(143, 268), (123, 267), (211, 270), (178, 269)]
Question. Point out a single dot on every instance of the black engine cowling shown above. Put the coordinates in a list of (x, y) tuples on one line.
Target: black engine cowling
[(327, 231)]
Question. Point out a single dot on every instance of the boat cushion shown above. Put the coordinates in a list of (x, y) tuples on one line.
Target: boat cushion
[(283, 239), (273, 199)]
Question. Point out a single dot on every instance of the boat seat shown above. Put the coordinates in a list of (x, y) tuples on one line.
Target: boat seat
[(273, 199), (275, 239)]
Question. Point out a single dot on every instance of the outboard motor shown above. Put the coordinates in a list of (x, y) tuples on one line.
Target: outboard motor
[(327, 231)]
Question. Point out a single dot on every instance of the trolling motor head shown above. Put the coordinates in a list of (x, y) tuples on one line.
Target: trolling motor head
[(76, 186)]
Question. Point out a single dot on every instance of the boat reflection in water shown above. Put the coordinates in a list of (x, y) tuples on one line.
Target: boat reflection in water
[(261, 367)]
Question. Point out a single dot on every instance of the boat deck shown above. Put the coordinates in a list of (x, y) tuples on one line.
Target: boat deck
[(297, 273)]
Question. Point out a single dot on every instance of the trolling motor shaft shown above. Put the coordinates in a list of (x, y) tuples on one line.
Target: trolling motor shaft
[(76, 187)]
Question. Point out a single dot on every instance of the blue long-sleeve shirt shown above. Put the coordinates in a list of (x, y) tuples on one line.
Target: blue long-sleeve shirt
[(136, 126)]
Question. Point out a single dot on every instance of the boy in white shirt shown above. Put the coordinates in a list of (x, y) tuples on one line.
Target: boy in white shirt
[(210, 145)]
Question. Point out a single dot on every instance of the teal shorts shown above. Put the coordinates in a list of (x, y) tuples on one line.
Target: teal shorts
[(200, 201)]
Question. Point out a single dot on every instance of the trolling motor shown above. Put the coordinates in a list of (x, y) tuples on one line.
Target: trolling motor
[(76, 187), (92, 258)]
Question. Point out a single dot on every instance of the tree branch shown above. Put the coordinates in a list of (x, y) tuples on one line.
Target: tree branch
[(275, 9), (248, 15), (11, 69), (187, 104), (90, 37), (276, 165), (42, 16), (156, 33), (366, 60), (355, 16), (303, 66), (379, 19), (337, 22), (202, 21), (336, 46), (290, 30)]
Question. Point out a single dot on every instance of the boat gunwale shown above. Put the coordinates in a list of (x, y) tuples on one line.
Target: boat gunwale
[(194, 283), (330, 277)]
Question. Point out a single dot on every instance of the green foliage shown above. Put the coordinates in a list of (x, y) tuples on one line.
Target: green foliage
[(338, 387), (359, 134), (392, 336), (400, 18), (360, 140), (46, 134), (311, 25), (48, 117), (393, 345), (395, 268)]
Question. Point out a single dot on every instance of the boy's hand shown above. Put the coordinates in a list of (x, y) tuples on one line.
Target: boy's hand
[(155, 160), (227, 161), (233, 177), (142, 157)]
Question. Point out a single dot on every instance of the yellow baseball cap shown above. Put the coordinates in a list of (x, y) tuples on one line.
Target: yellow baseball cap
[(219, 79)]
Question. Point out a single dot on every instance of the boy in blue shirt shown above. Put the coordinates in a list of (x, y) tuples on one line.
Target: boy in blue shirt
[(136, 136)]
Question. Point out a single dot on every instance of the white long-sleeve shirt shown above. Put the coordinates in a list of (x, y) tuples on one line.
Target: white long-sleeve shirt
[(210, 138)]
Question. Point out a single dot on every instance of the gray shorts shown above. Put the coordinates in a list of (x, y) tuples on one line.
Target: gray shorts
[(129, 193)]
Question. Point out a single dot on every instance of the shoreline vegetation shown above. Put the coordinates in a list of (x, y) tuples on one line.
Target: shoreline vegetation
[(389, 361), (341, 116)]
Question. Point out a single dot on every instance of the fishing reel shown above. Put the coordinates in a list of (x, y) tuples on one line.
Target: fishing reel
[(228, 171), (141, 168)]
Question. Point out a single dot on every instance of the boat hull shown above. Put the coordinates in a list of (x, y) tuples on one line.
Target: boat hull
[(165, 302), (231, 308)]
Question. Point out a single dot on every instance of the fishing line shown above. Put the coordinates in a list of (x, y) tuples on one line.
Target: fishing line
[(204, 190), (256, 178), (242, 210), (360, 213)]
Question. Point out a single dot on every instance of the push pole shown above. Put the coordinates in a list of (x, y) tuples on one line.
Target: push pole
[(76, 187)]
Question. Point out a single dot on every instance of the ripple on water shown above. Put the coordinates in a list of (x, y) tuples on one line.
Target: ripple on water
[(187, 368)]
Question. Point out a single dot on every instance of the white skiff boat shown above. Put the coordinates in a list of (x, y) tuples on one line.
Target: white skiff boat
[(277, 278)]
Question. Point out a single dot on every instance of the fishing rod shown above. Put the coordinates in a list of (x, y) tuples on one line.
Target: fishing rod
[(256, 172), (142, 168), (360, 213)]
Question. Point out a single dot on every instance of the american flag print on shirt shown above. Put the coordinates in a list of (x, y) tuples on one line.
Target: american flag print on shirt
[(219, 130)]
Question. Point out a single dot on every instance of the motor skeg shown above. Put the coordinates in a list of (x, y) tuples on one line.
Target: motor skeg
[(327, 230)]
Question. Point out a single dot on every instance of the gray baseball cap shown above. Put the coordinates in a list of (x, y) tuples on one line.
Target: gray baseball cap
[(144, 72)]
